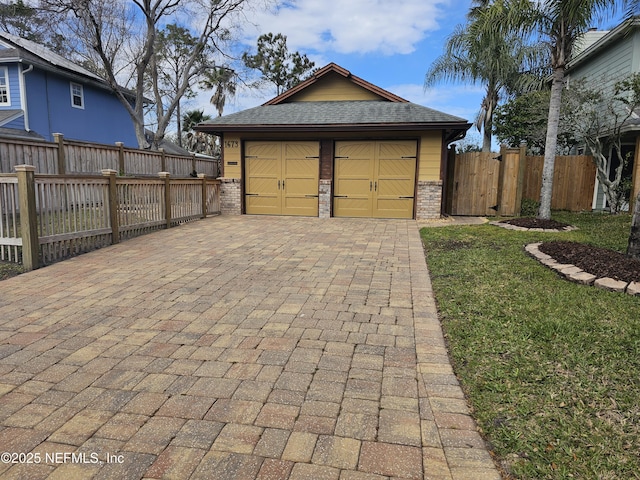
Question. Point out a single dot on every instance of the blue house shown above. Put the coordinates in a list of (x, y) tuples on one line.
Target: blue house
[(42, 93)]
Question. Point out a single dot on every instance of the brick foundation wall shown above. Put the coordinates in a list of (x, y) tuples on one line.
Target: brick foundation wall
[(429, 200), (324, 199), (230, 196)]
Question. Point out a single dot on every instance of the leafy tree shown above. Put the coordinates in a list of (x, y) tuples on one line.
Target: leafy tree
[(503, 64), (175, 45), (557, 24), (23, 20), (277, 65), (600, 120), (223, 81), (121, 38), (524, 119)]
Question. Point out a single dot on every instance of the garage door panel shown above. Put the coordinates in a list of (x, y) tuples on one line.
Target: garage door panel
[(352, 207), (355, 150), (394, 208), (395, 188), (397, 149), (262, 186), (379, 182), (262, 205), (281, 178), (262, 149), (399, 167)]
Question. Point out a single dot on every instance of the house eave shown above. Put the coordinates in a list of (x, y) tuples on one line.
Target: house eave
[(618, 32), (333, 128)]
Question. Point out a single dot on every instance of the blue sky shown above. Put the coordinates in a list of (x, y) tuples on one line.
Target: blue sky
[(388, 43)]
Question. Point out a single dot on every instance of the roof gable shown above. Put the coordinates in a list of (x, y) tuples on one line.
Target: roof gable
[(334, 83)]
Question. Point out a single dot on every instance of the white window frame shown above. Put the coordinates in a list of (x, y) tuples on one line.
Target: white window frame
[(4, 73), (75, 95)]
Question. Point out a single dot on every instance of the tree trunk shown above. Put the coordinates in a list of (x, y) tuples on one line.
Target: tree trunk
[(633, 249), (550, 145)]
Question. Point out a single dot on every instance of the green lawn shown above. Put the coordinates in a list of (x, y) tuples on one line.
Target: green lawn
[(551, 368), (8, 270)]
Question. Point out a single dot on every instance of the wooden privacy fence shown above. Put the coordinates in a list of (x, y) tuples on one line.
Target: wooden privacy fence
[(494, 184), (70, 157), (574, 178), (45, 218)]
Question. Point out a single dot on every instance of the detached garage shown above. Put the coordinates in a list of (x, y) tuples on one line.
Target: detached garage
[(335, 145)]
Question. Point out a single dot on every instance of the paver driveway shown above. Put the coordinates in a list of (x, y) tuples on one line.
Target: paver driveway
[(235, 348)]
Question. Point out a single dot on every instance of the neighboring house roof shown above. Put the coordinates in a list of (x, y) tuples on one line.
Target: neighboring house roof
[(15, 133), (390, 112), (7, 116), (596, 42), (25, 51)]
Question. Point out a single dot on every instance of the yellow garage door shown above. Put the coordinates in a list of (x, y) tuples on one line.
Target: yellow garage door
[(374, 179), (282, 178)]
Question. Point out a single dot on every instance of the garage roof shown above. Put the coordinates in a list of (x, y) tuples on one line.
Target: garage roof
[(389, 113)]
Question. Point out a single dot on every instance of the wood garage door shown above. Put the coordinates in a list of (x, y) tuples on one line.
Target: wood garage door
[(374, 179), (281, 178)]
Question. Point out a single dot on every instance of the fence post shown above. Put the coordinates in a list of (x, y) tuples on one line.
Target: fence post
[(62, 161), (121, 169), (510, 180), (113, 205), (167, 196), (203, 177), (521, 169), (163, 160), (28, 216)]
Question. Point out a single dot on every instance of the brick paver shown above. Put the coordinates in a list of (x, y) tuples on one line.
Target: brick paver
[(235, 348)]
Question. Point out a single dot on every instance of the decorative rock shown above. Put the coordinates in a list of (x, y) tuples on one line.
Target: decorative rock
[(533, 248), (576, 274), (583, 277), (633, 288), (610, 284), (560, 266), (509, 226), (572, 270)]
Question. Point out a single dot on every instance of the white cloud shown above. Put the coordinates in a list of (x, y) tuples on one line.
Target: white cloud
[(351, 26)]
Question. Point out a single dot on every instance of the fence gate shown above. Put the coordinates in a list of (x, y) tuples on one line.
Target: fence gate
[(473, 184)]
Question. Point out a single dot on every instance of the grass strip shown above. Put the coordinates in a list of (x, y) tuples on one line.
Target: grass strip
[(551, 368)]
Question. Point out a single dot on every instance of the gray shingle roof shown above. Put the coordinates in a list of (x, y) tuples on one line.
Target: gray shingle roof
[(335, 113), (34, 51)]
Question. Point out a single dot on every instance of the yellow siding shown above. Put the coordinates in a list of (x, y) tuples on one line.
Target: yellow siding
[(430, 156), (333, 88), (232, 156)]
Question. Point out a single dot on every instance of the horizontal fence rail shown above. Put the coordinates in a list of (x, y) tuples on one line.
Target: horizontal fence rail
[(47, 218), (72, 157)]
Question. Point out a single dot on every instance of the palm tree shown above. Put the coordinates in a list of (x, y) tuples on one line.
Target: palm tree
[(223, 81), (196, 141), (558, 24), (503, 64)]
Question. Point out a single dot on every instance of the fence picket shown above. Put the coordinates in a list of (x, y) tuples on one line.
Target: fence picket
[(73, 213)]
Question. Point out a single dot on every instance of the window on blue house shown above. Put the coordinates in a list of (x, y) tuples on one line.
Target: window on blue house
[(5, 98), (77, 95)]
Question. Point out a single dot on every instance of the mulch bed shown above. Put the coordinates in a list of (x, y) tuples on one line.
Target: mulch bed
[(529, 222), (594, 260)]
